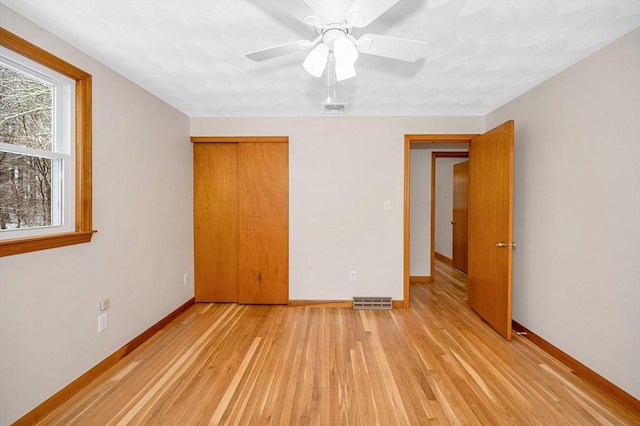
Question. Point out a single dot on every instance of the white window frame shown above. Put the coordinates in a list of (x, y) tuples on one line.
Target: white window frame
[(62, 147)]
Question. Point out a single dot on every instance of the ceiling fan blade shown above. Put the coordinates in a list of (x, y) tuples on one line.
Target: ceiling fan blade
[(279, 50), (330, 10), (391, 47), (363, 12), (296, 8)]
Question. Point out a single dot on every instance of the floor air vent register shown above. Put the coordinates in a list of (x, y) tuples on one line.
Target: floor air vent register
[(376, 303)]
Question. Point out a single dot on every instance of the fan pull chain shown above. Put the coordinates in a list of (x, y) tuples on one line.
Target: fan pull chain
[(331, 79)]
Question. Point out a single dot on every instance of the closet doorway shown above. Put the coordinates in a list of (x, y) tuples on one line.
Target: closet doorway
[(241, 219)]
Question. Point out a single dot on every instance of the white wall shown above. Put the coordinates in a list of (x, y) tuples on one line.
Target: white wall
[(420, 213), (576, 272), (142, 191), (341, 169), (444, 205)]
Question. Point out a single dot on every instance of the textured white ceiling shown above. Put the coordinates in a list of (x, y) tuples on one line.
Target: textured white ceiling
[(481, 54)]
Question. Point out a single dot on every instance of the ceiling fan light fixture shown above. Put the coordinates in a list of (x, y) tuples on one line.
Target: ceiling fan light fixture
[(344, 71), (333, 21), (316, 60), (344, 50)]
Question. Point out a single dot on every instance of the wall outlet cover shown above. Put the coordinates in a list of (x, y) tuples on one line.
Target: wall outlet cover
[(103, 322)]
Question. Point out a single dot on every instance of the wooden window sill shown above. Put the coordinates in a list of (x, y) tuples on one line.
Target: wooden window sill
[(26, 245)]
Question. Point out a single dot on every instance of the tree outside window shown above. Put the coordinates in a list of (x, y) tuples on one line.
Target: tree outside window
[(26, 110)]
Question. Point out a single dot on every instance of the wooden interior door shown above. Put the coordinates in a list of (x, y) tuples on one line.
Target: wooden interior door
[(263, 223), (460, 216), (490, 226), (215, 182)]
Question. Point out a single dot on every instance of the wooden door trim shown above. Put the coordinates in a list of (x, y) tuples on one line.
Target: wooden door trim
[(239, 139), (410, 139), (435, 138), (435, 155)]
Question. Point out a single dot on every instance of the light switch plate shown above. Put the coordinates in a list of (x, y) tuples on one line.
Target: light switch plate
[(105, 304)]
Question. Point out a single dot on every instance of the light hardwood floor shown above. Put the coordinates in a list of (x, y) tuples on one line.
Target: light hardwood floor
[(435, 363)]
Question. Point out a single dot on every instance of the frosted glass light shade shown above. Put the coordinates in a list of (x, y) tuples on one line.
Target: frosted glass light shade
[(316, 60), (344, 71), (344, 50)]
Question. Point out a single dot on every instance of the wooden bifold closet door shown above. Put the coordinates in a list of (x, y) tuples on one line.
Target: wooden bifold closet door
[(241, 221)]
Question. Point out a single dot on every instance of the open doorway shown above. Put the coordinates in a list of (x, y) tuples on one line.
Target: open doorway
[(431, 180), (449, 182), (422, 268), (490, 221)]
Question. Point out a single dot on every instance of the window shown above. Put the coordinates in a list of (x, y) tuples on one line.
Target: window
[(36, 131), (45, 149)]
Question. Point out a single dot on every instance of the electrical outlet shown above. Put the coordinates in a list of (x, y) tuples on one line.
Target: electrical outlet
[(186, 278), (352, 275), (103, 322), (105, 304)]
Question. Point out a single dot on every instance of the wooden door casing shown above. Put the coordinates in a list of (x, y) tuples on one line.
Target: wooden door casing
[(419, 140), (490, 223), (460, 216)]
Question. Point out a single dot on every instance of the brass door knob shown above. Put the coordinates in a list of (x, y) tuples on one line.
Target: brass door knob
[(501, 245), (453, 222)]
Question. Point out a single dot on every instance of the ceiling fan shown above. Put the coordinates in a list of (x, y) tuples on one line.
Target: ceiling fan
[(334, 20)]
